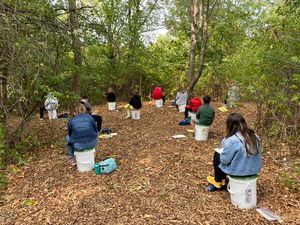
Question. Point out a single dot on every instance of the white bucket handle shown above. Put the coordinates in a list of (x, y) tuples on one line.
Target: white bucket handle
[(235, 193)]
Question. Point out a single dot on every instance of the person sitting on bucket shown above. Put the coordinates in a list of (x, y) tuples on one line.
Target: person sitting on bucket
[(110, 95), (181, 98), (206, 113), (193, 104), (241, 155), (82, 133), (88, 106), (158, 94), (233, 96), (51, 105), (135, 102)]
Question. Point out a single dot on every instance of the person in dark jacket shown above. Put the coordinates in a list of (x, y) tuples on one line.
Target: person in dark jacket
[(110, 95), (88, 106), (82, 133), (135, 102), (206, 113)]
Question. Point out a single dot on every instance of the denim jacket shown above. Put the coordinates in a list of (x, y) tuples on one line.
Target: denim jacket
[(82, 129), (235, 160)]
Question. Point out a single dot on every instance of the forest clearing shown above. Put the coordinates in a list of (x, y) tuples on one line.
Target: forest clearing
[(159, 180)]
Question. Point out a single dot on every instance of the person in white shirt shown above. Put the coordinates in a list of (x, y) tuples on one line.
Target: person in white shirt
[(181, 98)]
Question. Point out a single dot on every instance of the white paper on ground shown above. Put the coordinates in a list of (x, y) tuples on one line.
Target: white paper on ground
[(219, 150), (107, 135), (265, 212), (178, 136)]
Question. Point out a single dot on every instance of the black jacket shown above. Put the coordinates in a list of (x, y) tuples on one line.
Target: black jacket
[(111, 97), (136, 102)]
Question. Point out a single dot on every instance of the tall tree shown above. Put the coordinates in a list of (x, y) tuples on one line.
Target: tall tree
[(200, 12), (77, 51)]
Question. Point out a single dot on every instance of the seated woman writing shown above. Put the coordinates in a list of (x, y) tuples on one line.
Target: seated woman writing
[(82, 132), (241, 155)]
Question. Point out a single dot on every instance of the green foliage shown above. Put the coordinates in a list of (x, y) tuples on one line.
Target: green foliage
[(29, 202), (253, 42), (292, 180), (3, 181), (3, 146), (266, 66), (168, 63), (290, 177)]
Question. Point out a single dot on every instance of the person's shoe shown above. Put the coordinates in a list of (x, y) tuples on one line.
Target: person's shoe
[(212, 188), (223, 182), (41, 118), (72, 161), (212, 181)]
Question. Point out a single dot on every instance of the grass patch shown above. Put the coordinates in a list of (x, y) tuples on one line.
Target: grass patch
[(3, 181)]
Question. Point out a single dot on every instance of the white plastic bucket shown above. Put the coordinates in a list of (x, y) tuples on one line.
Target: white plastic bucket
[(111, 106), (52, 115), (201, 132), (135, 114), (85, 160), (193, 116), (181, 108), (243, 192), (158, 103)]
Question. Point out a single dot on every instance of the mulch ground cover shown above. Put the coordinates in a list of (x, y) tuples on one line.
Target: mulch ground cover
[(159, 180)]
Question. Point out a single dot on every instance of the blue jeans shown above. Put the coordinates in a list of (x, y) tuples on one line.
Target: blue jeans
[(71, 147)]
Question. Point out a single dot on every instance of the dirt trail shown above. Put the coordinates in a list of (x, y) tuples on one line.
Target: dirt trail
[(159, 180)]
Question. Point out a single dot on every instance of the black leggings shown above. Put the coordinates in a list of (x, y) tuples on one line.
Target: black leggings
[(219, 174), (42, 109), (186, 112), (98, 120)]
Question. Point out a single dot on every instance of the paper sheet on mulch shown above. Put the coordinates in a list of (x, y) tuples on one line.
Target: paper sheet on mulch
[(106, 136), (178, 136), (223, 109)]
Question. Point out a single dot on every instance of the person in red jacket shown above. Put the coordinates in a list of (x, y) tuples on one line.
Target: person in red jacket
[(158, 94), (193, 104)]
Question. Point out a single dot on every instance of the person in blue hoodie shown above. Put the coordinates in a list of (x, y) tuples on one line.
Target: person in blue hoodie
[(82, 132), (241, 155)]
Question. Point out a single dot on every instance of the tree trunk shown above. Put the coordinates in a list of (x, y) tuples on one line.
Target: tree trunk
[(202, 32), (192, 56), (76, 45), (3, 98)]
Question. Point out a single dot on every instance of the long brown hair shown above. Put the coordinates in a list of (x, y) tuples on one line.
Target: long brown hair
[(236, 122)]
